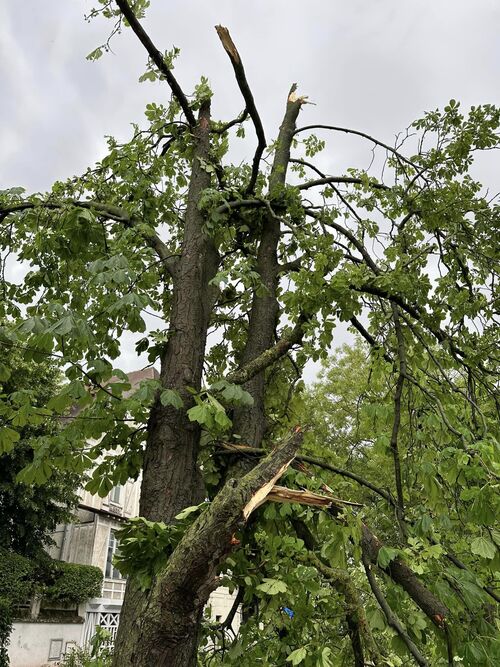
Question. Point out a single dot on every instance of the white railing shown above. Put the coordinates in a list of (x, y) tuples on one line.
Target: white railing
[(106, 620)]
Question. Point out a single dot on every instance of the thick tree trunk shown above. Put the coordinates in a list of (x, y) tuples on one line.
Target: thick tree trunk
[(171, 478)]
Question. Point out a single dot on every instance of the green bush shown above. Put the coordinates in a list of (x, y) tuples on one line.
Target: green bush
[(21, 578), (17, 576), (74, 583), (17, 583)]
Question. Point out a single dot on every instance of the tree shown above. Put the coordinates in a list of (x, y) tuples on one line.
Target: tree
[(271, 258), (30, 513)]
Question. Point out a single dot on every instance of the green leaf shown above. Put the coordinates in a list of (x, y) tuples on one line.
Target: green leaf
[(272, 586), (190, 510), (385, 555), (200, 414), (8, 438), (483, 547), (95, 54), (297, 656), (5, 373), (171, 397)]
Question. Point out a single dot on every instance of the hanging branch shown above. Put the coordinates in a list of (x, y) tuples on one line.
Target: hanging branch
[(347, 233), (158, 59), (368, 337), (400, 512), (391, 617), (241, 79), (359, 628), (109, 211), (327, 180)]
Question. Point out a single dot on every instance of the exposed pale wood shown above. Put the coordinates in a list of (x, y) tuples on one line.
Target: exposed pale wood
[(282, 494), (263, 493)]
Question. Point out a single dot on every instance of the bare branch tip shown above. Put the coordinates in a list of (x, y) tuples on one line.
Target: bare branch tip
[(228, 43)]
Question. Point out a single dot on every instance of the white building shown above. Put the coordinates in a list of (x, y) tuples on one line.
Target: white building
[(90, 540)]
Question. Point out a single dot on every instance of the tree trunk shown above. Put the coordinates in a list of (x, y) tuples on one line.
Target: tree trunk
[(168, 621), (171, 478), (250, 423)]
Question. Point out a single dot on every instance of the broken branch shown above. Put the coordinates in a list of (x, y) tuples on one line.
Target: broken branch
[(241, 79)]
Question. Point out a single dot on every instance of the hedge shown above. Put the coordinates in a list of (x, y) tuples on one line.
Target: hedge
[(74, 583), (21, 578)]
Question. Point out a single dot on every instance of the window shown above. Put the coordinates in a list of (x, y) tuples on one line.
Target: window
[(115, 495), (55, 649), (111, 571)]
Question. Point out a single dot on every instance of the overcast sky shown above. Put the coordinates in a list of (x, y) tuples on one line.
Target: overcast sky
[(366, 64)]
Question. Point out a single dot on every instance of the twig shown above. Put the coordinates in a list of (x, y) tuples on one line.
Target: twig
[(359, 134), (226, 126)]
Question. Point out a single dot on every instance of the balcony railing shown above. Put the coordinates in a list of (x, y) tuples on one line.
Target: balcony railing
[(113, 589)]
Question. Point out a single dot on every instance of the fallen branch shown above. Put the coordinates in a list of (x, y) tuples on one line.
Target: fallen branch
[(397, 570), (191, 573), (244, 449)]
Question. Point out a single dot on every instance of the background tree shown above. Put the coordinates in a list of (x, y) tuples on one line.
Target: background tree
[(271, 255), (30, 513)]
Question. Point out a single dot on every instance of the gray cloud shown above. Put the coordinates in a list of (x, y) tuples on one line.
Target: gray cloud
[(369, 65)]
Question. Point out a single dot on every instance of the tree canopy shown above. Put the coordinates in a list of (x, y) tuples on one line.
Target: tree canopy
[(384, 545)]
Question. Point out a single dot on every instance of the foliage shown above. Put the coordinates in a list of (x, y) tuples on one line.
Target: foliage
[(23, 577), (146, 546), (265, 261), (29, 512), (17, 584), (98, 654), (73, 582)]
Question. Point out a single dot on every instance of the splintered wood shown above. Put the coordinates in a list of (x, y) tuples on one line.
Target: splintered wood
[(281, 494), (262, 494)]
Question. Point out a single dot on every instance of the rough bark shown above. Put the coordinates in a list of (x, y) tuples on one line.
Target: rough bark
[(401, 574), (171, 478)]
